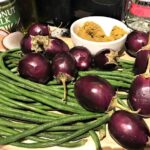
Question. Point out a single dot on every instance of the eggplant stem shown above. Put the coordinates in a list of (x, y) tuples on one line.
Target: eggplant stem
[(147, 72), (126, 109), (42, 40), (63, 80), (112, 57), (38, 42), (110, 112), (114, 104)]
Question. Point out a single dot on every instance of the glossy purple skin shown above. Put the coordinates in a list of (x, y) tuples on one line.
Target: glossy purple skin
[(55, 46), (26, 44), (139, 95), (135, 41), (141, 61), (101, 60), (64, 63), (35, 67), (82, 56), (38, 29), (94, 93), (129, 130)]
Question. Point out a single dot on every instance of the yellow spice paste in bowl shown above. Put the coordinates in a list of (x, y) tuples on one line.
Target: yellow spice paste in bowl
[(93, 32)]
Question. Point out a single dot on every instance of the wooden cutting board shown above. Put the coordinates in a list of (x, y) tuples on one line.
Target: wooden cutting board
[(107, 143)]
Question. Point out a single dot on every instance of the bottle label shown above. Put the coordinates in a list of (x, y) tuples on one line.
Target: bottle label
[(140, 10), (9, 17)]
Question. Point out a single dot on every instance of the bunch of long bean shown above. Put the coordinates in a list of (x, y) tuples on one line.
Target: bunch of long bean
[(36, 112)]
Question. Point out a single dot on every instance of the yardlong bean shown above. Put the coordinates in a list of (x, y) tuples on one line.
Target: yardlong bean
[(42, 99), (95, 139), (56, 122), (112, 73), (129, 62), (31, 84), (16, 96), (2, 78), (18, 116), (24, 106), (97, 123), (4, 131), (15, 124), (13, 103)]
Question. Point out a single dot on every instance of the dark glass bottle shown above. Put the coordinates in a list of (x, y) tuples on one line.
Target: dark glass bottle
[(108, 8), (55, 12), (28, 12), (62, 13)]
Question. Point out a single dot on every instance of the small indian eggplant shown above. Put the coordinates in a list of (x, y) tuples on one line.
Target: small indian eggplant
[(106, 59), (142, 59), (135, 41), (54, 46), (35, 67), (31, 43), (39, 29), (128, 130), (139, 92), (82, 56), (64, 68), (94, 93)]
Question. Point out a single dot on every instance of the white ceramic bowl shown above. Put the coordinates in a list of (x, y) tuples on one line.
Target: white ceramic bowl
[(107, 24)]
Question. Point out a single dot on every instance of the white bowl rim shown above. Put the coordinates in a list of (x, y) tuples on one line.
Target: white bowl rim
[(94, 42)]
